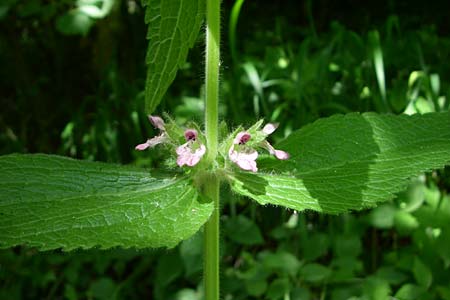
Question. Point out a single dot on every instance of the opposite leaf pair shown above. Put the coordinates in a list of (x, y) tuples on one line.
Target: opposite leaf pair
[(241, 152)]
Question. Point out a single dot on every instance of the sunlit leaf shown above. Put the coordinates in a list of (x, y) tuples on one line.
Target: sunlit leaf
[(350, 161), (410, 292), (374, 39), (93, 11), (51, 202), (405, 222), (376, 288), (173, 30)]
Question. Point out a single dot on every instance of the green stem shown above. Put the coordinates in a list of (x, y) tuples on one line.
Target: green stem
[(212, 76), (212, 186), (211, 243)]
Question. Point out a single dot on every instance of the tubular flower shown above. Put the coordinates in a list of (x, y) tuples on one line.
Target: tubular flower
[(192, 151), (267, 130), (280, 154), (158, 123), (245, 156)]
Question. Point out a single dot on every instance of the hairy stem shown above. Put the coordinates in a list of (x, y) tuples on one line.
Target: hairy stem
[(212, 186), (211, 243), (212, 76)]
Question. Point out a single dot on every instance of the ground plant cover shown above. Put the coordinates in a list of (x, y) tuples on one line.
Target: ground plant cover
[(207, 149)]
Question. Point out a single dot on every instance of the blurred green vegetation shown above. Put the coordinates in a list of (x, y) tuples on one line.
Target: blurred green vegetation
[(72, 76)]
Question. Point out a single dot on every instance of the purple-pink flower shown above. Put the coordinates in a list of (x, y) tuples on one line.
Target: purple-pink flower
[(245, 157), (192, 151), (280, 154), (158, 123), (189, 153), (242, 138), (245, 160), (268, 129)]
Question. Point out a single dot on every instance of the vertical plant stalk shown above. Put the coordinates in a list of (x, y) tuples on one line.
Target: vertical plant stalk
[(212, 76), (211, 243), (212, 186)]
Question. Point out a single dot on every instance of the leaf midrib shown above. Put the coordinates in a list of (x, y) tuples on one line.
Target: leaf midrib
[(170, 46), (98, 208), (159, 186)]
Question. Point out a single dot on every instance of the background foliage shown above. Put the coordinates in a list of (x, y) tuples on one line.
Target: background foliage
[(73, 73)]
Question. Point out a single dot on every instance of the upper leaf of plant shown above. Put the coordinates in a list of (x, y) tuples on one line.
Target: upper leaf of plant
[(51, 202), (173, 29), (350, 161)]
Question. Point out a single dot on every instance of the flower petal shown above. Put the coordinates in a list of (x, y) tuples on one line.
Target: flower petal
[(182, 149), (159, 139), (280, 154), (248, 165), (183, 155), (187, 157), (232, 154), (245, 160), (190, 134), (269, 128), (150, 143), (142, 146), (157, 122), (242, 138), (269, 147), (195, 157)]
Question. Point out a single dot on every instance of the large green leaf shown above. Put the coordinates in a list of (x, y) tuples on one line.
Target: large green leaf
[(50, 202), (173, 29), (350, 161)]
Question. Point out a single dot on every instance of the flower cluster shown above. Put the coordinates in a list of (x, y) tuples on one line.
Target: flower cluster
[(244, 155), (189, 153), (242, 151)]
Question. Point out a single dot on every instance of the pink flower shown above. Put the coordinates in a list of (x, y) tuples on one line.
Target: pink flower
[(245, 157), (280, 154), (267, 130), (158, 123), (150, 143), (245, 160), (192, 151), (242, 138)]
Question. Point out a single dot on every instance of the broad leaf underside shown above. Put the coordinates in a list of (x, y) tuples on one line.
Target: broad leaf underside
[(350, 161), (173, 29), (51, 202)]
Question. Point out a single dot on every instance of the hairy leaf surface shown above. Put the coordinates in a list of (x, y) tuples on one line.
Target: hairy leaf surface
[(51, 202), (173, 29), (350, 161)]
